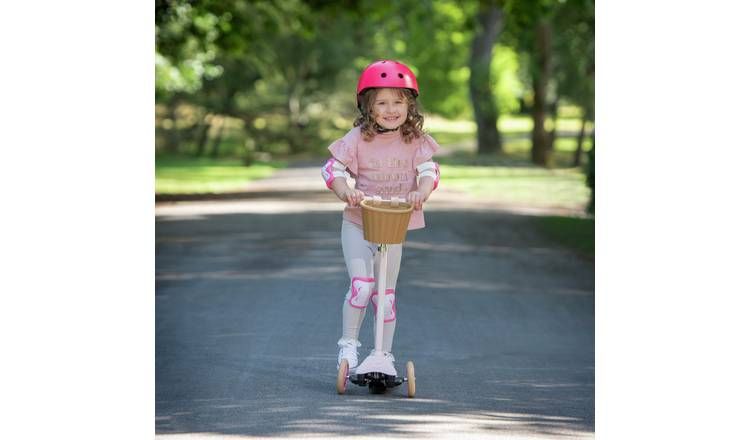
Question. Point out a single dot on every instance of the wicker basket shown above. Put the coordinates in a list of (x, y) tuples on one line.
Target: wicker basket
[(384, 222)]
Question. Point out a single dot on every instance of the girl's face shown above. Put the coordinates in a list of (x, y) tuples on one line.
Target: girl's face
[(390, 108)]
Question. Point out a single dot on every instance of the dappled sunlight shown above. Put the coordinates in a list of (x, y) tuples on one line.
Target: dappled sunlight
[(390, 416), (261, 239), (246, 346), (209, 237), (453, 285), (439, 202), (245, 207), (473, 249), (291, 272), (460, 285), (450, 425), (495, 312)]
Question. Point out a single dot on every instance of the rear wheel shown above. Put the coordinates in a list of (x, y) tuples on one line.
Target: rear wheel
[(377, 387), (343, 376), (411, 380)]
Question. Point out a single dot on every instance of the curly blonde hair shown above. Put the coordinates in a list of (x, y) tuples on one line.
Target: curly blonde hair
[(410, 130)]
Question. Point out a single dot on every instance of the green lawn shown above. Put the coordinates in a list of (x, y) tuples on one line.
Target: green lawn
[(507, 178), (183, 175), (510, 177), (521, 185), (496, 178), (460, 138)]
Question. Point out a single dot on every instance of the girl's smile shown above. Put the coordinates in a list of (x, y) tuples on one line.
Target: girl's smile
[(390, 108)]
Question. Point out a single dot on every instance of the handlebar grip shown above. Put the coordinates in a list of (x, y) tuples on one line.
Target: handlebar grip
[(377, 199)]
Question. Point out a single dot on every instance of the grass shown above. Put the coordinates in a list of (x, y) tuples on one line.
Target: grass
[(574, 233), (500, 178), (508, 124), (185, 175), (518, 185), (460, 137), (506, 178)]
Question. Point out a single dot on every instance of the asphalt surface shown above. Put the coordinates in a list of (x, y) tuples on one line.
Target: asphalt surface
[(498, 321)]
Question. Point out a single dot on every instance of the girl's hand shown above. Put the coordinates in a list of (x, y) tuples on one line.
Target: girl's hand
[(416, 198), (352, 197)]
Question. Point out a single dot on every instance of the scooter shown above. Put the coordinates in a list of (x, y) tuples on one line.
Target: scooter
[(385, 222)]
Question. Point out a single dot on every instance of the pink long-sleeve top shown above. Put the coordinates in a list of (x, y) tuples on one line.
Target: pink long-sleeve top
[(386, 166)]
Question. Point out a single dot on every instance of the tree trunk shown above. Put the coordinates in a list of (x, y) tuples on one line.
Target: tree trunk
[(553, 133), (541, 73), (590, 176), (203, 135), (489, 19), (579, 142), (217, 139), (172, 135), (295, 128)]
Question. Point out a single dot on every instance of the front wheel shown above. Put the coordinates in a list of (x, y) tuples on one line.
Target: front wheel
[(343, 376), (411, 380)]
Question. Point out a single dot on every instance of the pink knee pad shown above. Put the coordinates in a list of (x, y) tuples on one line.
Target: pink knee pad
[(390, 304), (361, 291)]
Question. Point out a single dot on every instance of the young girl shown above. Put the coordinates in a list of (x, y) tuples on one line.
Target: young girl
[(388, 155)]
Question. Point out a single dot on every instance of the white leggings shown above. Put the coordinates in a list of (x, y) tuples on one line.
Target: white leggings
[(361, 262)]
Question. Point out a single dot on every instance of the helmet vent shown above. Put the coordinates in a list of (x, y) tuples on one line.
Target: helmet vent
[(400, 75), (383, 75)]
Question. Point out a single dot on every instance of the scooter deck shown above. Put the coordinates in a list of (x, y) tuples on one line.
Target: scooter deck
[(378, 382)]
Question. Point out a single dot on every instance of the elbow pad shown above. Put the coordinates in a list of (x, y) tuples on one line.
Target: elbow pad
[(333, 169), (429, 169)]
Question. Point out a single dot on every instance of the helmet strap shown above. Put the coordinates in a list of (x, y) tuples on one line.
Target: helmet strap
[(380, 129)]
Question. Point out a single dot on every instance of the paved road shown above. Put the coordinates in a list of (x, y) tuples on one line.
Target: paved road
[(498, 321)]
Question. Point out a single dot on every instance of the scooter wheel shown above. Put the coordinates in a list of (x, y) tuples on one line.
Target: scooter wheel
[(377, 387), (343, 376), (411, 380)]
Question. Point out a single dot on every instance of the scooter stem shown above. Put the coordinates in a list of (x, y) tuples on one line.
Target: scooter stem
[(380, 319)]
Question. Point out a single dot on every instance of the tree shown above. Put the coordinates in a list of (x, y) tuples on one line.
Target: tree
[(575, 53), (185, 53), (541, 72), (281, 73), (590, 177), (488, 25), (530, 31), (556, 38), (278, 63)]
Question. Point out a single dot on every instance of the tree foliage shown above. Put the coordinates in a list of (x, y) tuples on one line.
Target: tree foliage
[(556, 41), (283, 72)]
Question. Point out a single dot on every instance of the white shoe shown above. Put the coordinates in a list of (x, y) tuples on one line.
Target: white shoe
[(348, 351), (387, 355), (378, 362)]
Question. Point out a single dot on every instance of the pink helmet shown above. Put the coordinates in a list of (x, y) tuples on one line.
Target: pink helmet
[(387, 73)]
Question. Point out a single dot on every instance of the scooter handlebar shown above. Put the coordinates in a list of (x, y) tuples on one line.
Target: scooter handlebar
[(379, 199)]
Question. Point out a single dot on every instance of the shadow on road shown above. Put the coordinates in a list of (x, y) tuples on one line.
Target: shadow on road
[(499, 322)]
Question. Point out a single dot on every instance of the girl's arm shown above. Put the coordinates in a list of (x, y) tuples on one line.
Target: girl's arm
[(427, 180), (335, 173), (426, 185), (418, 197), (351, 196)]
